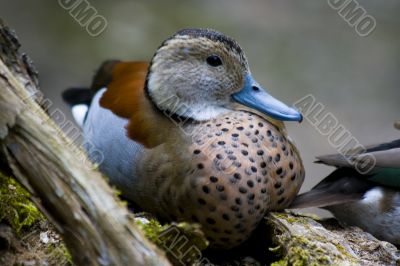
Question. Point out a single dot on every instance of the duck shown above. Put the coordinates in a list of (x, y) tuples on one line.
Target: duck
[(363, 191), (192, 136)]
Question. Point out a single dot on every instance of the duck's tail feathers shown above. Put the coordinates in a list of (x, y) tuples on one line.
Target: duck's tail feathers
[(320, 199), (79, 100), (341, 186)]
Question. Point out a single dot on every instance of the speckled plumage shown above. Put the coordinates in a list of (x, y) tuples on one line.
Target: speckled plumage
[(225, 176), (213, 152)]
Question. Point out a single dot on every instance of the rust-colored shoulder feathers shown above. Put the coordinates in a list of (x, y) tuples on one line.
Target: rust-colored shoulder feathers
[(125, 97)]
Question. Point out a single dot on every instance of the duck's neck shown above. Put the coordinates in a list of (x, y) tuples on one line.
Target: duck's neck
[(172, 106)]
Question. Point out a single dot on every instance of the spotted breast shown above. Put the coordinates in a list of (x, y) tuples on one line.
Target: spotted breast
[(237, 167)]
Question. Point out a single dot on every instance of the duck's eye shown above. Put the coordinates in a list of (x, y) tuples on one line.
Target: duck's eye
[(214, 60)]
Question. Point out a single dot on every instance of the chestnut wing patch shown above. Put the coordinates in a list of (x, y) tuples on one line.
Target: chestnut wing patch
[(125, 97), (125, 88)]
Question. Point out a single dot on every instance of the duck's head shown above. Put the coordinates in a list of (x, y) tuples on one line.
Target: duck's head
[(201, 74)]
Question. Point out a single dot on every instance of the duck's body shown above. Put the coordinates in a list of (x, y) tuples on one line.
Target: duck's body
[(369, 200), (104, 131), (197, 155), (224, 176)]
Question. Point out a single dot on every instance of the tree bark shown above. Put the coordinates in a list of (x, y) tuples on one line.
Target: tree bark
[(306, 240), (96, 227)]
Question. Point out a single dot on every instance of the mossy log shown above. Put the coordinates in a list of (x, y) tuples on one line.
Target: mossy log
[(96, 227), (306, 240)]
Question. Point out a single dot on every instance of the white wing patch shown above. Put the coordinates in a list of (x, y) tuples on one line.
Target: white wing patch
[(79, 112), (373, 196)]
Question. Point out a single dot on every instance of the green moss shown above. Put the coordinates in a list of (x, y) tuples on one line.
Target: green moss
[(194, 234), (292, 217), (282, 262), (300, 250), (21, 214), (15, 205), (58, 255), (181, 242), (155, 231), (151, 228)]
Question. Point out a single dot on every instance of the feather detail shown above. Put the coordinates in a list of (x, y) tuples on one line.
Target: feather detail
[(386, 155), (125, 88), (103, 75), (346, 184), (386, 162), (125, 97), (148, 125), (342, 186)]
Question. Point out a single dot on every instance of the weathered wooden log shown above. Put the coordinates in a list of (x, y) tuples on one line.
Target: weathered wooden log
[(303, 240), (96, 227)]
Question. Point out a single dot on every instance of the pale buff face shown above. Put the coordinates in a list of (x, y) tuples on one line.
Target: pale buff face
[(182, 82)]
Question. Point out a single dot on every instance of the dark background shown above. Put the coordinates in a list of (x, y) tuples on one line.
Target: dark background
[(294, 48)]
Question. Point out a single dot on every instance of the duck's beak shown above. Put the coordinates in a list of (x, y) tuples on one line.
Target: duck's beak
[(254, 96)]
